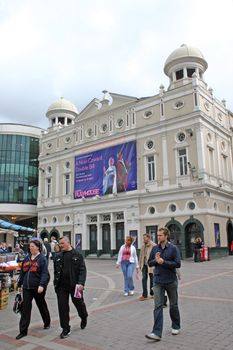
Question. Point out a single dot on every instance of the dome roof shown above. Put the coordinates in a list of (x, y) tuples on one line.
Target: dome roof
[(185, 54), (62, 104)]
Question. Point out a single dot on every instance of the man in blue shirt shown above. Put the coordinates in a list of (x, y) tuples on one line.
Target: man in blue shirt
[(165, 257)]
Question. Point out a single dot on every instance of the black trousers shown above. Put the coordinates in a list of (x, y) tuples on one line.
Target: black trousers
[(28, 296), (64, 309), (144, 281)]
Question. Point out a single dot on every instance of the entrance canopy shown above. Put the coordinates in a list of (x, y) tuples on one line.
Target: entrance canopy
[(10, 226)]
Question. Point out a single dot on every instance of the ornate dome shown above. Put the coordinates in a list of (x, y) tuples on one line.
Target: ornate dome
[(185, 54), (62, 105)]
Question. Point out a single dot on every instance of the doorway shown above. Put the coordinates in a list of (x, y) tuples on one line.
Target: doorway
[(106, 239), (93, 239), (230, 237), (192, 231), (120, 235)]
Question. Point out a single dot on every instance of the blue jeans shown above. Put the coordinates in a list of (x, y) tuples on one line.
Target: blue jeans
[(128, 270), (159, 291)]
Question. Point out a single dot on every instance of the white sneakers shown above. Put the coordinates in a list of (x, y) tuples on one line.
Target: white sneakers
[(131, 292), (153, 336), (175, 331)]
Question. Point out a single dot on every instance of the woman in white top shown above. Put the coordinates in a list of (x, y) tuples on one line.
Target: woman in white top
[(127, 258)]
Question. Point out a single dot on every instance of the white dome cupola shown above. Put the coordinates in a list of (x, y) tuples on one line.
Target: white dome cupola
[(61, 113), (182, 63)]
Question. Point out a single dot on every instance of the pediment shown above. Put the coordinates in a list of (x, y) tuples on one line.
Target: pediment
[(96, 106)]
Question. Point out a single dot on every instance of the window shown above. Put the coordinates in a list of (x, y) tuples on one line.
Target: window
[(67, 139), (191, 205), (61, 120), (149, 144), (103, 128), (211, 161), (182, 161), (179, 74), (190, 72), (67, 218), (67, 165), (89, 132), (49, 188), (178, 104), (172, 207), (181, 136), (151, 168), (119, 123), (147, 114), (151, 210), (67, 184)]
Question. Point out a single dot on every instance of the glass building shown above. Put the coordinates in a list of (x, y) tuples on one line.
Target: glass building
[(19, 152), (18, 168)]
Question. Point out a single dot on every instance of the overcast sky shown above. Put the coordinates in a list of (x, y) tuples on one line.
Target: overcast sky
[(77, 48)]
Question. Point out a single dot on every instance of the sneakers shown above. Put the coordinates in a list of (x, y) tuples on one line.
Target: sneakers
[(126, 294), (131, 292), (142, 298), (83, 323), (175, 331), (65, 334), (153, 336)]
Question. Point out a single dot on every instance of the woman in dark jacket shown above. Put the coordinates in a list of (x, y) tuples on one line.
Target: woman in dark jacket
[(33, 279)]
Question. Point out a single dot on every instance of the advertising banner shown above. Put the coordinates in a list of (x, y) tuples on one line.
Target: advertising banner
[(110, 170)]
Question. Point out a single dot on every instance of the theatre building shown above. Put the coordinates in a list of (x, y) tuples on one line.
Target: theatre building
[(126, 165)]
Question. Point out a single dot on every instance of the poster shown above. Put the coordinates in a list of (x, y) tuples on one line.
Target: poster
[(134, 234), (78, 241), (217, 236), (108, 171)]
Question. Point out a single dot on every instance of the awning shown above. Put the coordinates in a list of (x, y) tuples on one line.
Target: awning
[(10, 226)]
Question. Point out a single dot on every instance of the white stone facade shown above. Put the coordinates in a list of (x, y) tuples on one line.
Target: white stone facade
[(184, 176)]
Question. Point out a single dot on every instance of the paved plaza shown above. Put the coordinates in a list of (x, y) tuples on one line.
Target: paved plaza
[(118, 322)]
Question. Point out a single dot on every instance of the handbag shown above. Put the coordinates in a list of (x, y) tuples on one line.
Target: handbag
[(18, 303)]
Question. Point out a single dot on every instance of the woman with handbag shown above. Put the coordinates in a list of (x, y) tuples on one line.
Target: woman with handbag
[(33, 279)]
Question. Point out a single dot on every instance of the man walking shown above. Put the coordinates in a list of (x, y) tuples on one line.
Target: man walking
[(165, 258), (146, 248), (69, 279)]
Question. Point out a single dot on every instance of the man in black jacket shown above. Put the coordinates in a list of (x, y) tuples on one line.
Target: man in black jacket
[(69, 279)]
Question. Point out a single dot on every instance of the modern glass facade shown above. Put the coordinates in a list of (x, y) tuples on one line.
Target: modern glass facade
[(18, 169)]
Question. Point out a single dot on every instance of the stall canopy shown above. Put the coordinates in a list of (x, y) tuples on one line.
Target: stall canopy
[(10, 226)]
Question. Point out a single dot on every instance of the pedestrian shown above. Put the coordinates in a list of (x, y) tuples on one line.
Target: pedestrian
[(48, 249), (52, 246), (147, 271), (127, 258), (165, 257), (197, 247), (33, 281), (69, 275)]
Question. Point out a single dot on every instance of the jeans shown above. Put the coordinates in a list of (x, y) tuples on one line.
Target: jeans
[(128, 270), (159, 290), (144, 281)]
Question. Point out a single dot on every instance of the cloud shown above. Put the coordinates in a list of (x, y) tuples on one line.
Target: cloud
[(77, 48)]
